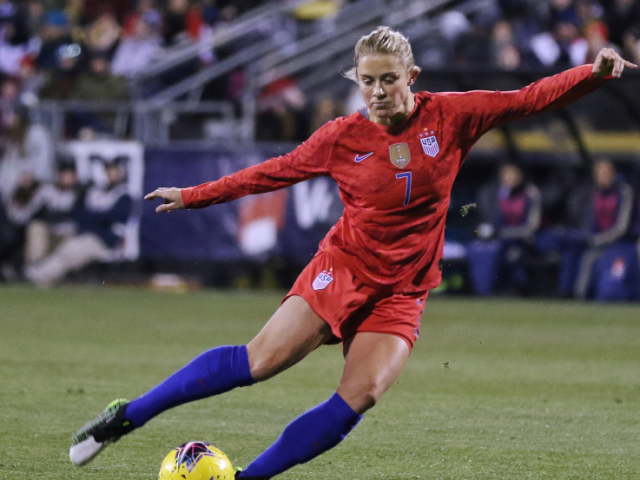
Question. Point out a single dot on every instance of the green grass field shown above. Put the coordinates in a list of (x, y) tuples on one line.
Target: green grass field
[(495, 389)]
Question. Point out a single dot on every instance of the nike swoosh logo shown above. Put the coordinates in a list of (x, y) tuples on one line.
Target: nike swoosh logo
[(359, 158)]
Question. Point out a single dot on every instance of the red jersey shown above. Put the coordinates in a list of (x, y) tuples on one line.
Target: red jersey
[(395, 182)]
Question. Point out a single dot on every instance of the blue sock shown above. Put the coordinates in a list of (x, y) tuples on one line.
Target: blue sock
[(309, 435), (216, 371)]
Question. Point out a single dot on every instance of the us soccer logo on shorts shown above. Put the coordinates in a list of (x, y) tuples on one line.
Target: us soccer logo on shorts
[(322, 280), (430, 145), (400, 154)]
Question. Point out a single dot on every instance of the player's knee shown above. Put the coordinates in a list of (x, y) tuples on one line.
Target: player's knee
[(369, 400), (361, 397), (364, 400), (264, 365)]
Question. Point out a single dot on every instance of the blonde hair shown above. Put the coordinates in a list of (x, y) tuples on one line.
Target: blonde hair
[(386, 41)]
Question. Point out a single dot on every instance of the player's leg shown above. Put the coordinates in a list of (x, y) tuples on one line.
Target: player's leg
[(373, 363), (292, 332)]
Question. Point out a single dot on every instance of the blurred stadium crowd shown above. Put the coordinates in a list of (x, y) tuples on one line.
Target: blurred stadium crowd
[(92, 49), (88, 49), (595, 246)]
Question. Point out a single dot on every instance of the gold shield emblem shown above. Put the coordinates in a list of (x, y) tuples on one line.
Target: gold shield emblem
[(400, 155)]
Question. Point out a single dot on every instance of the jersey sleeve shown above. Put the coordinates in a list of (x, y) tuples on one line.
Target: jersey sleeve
[(310, 159), (477, 112)]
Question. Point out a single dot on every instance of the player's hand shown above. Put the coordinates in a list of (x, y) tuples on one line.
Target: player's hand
[(172, 198), (608, 62)]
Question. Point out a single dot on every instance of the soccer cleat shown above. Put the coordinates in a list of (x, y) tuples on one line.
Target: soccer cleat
[(98, 433)]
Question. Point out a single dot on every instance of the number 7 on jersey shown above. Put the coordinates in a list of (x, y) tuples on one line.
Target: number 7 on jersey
[(407, 177)]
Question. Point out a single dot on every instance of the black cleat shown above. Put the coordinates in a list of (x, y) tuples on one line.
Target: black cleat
[(103, 430)]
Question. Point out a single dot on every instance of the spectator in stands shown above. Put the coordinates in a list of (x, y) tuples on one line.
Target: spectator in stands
[(563, 46), (75, 9), (12, 234), (473, 47), (94, 9), (56, 32), (597, 36), (282, 116), (60, 83), (511, 213), (142, 7), (562, 11), (611, 207), (98, 215), (182, 22), (48, 214), (28, 148), (103, 34), (14, 40), (136, 51), (620, 16), (606, 209), (99, 84), (36, 17), (505, 53), (31, 81), (631, 44), (589, 11)]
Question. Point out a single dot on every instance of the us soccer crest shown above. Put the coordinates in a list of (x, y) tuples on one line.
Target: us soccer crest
[(400, 154), (323, 279), (430, 145)]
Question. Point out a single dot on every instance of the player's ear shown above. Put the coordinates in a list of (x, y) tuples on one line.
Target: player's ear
[(413, 75)]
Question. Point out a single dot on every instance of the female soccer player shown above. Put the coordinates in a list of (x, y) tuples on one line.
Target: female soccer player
[(395, 162)]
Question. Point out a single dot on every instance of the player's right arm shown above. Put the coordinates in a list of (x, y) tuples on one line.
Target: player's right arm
[(308, 160)]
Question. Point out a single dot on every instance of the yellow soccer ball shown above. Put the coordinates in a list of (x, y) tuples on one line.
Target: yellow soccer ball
[(196, 461)]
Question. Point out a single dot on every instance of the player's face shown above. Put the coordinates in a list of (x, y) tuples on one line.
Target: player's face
[(384, 83)]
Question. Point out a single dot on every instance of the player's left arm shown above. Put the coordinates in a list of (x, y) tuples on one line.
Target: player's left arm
[(480, 111)]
